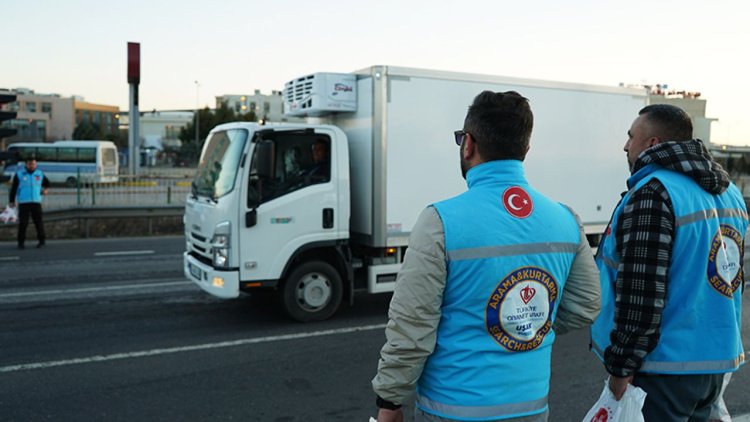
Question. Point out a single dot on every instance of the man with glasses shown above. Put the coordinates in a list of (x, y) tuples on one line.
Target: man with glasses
[(489, 278)]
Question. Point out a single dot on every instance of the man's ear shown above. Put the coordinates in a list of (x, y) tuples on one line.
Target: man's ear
[(470, 147), (653, 141)]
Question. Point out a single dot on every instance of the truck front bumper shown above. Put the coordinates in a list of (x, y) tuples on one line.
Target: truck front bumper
[(223, 284)]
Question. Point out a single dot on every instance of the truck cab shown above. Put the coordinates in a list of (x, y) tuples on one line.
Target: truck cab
[(269, 210)]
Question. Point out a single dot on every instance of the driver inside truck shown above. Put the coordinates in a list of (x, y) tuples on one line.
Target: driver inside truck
[(320, 171)]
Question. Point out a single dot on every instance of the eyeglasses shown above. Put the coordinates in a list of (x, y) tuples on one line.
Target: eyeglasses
[(459, 135)]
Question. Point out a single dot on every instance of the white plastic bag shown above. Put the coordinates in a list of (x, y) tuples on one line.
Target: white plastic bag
[(608, 409), (719, 411), (9, 215)]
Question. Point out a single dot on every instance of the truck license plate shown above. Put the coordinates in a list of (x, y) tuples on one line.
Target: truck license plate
[(195, 271)]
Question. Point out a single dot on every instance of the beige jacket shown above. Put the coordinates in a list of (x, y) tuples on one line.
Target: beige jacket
[(415, 308)]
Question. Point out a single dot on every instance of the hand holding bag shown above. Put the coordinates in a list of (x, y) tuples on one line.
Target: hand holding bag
[(9, 215), (608, 409)]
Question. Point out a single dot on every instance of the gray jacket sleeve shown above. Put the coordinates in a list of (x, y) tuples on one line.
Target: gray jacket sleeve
[(414, 312), (581, 297)]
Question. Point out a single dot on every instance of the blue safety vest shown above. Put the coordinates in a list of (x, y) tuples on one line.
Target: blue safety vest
[(509, 250), (700, 328), (29, 186)]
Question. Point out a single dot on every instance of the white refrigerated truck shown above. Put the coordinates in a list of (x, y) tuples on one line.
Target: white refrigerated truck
[(263, 217)]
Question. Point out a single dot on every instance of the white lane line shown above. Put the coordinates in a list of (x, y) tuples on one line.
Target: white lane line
[(122, 253), (10, 258), (206, 346), (94, 289), (741, 418)]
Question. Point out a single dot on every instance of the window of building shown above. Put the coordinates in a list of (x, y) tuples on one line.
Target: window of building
[(31, 106), (46, 107), (266, 107)]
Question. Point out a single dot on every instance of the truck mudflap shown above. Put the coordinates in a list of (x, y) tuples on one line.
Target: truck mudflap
[(222, 284)]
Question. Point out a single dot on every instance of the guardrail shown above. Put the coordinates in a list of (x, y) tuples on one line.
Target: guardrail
[(127, 192)]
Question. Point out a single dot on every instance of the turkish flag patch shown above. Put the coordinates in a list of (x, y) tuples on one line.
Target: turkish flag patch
[(517, 202)]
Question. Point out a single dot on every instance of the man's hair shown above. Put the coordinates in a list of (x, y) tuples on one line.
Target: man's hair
[(500, 123), (668, 122)]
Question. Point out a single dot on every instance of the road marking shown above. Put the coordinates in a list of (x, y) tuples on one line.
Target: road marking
[(741, 418), (10, 258), (206, 346), (121, 253), (94, 289)]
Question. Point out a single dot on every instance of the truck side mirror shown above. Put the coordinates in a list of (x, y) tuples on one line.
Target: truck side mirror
[(265, 159), (251, 218)]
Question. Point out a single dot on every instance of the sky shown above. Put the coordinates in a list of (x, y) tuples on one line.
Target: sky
[(79, 47)]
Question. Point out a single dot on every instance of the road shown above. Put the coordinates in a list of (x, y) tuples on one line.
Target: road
[(109, 329)]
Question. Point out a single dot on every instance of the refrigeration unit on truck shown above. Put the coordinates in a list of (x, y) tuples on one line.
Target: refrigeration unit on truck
[(314, 212)]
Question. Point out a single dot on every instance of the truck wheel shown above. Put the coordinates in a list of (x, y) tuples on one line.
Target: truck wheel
[(71, 182), (312, 292)]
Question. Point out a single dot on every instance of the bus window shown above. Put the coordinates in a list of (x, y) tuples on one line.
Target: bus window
[(25, 152), (66, 154), (109, 157), (48, 154), (87, 155)]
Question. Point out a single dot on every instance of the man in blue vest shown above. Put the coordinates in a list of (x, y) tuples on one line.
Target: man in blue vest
[(671, 265), (27, 188), (489, 278)]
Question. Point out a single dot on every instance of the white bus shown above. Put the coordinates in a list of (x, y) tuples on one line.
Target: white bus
[(65, 161)]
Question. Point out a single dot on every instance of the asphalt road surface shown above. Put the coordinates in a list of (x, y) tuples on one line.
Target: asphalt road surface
[(110, 330)]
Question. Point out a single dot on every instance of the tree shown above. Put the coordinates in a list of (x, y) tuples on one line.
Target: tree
[(208, 120), (87, 130)]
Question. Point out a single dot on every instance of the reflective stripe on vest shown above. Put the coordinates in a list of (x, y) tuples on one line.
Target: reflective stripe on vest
[(706, 214), (510, 250), (685, 367), (494, 412)]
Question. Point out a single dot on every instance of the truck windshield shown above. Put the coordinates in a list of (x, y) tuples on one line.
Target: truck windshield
[(217, 169)]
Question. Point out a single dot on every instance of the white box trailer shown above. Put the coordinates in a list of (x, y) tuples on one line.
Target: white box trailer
[(251, 223)]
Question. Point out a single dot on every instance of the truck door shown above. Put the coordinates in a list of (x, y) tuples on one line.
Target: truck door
[(291, 200)]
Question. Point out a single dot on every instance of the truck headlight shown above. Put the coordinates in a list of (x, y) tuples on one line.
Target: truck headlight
[(220, 244)]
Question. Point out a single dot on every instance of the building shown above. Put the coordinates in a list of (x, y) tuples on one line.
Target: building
[(48, 117), (267, 107), (160, 129), (693, 105), (689, 101)]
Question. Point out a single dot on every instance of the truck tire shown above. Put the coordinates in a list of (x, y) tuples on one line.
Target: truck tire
[(71, 182), (312, 292)]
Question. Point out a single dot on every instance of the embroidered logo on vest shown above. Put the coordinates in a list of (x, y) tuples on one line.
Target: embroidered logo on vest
[(517, 202), (519, 312), (724, 261)]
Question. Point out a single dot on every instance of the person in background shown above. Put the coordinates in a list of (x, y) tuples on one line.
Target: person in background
[(489, 277), (320, 171), (671, 264), (27, 188)]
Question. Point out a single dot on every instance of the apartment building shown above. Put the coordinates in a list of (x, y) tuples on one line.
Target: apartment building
[(47, 117)]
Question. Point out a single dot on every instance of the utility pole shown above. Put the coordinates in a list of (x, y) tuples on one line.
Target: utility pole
[(134, 78)]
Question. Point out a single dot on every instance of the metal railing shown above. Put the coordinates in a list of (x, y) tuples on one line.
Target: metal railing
[(127, 192)]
